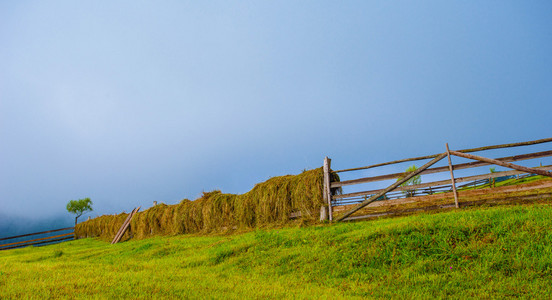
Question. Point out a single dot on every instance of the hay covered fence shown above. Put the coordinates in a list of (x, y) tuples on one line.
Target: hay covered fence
[(268, 203)]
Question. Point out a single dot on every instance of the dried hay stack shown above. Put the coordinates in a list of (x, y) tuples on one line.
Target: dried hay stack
[(268, 203)]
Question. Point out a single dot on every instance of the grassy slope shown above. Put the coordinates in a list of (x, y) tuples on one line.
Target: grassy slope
[(492, 252)]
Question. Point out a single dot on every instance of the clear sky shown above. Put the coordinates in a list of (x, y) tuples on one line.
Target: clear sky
[(127, 102)]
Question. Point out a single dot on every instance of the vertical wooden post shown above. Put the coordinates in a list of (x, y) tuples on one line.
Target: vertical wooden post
[(323, 213), (327, 191), (452, 178)]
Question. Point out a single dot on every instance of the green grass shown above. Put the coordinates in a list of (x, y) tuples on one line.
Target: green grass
[(511, 181), (475, 253)]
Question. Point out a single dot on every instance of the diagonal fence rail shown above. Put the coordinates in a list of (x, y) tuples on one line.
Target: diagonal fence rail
[(393, 186)]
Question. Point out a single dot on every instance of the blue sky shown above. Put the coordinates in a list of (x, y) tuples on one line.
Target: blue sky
[(127, 102)]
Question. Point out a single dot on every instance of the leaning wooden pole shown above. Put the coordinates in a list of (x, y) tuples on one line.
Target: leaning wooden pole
[(327, 191), (392, 187), (452, 178), (116, 238), (125, 226), (502, 164)]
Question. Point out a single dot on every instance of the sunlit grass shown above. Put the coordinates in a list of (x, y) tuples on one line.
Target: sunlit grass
[(490, 253)]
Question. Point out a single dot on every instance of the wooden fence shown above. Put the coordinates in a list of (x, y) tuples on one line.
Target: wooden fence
[(38, 241), (395, 190)]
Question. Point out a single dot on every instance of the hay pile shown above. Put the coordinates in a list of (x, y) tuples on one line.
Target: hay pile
[(268, 203)]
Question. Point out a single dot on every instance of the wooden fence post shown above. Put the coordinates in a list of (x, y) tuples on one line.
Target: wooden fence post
[(323, 213), (452, 178), (327, 191)]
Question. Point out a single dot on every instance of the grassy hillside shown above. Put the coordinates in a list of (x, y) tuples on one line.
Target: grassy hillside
[(490, 253)]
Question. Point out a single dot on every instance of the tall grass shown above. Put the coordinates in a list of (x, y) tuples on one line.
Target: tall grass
[(268, 203)]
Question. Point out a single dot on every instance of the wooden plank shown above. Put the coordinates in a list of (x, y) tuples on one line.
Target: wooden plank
[(323, 213), (452, 178), (440, 182), (442, 169), (383, 205), (535, 142), (36, 233), (122, 226), (119, 232), (295, 214), (40, 239), (529, 143), (393, 186), (503, 164), (388, 163), (125, 226), (327, 191), (39, 243)]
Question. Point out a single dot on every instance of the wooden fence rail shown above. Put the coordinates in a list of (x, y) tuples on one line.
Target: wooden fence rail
[(379, 194), (442, 169), (432, 190), (37, 241), (392, 187), (440, 182), (464, 151)]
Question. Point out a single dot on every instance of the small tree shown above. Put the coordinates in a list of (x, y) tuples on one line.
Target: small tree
[(412, 181), (492, 182), (79, 207)]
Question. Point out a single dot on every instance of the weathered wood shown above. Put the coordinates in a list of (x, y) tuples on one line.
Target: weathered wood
[(125, 226), (529, 143), (117, 236), (327, 190), (440, 182), (452, 178), (393, 186), (442, 169), (40, 239), (397, 202), (36, 233), (535, 142), (503, 164), (323, 213), (295, 214), (388, 163), (38, 243)]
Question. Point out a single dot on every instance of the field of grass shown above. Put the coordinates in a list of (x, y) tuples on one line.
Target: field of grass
[(472, 253)]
